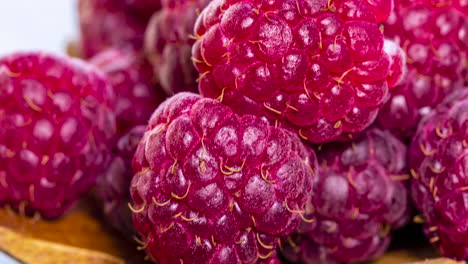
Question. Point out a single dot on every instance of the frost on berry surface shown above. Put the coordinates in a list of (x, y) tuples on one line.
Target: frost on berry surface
[(168, 44), (359, 197), (321, 68), (439, 162), (106, 23), (434, 35), (131, 76), (55, 126), (213, 187), (113, 187)]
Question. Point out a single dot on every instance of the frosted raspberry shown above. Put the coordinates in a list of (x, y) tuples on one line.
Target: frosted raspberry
[(439, 162), (213, 187), (112, 188), (132, 79), (321, 68), (168, 44), (434, 35), (359, 197), (55, 128)]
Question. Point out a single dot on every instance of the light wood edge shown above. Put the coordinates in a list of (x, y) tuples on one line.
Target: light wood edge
[(438, 261)]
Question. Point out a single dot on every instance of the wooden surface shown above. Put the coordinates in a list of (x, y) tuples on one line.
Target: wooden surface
[(79, 229), (80, 233), (30, 250)]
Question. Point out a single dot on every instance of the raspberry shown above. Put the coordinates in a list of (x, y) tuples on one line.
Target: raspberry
[(359, 196), (105, 23), (168, 44), (144, 8), (439, 162), (301, 249), (132, 78), (213, 187), (434, 35), (320, 68), (112, 188), (55, 126)]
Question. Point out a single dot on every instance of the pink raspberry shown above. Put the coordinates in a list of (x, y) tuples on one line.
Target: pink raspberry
[(55, 128), (168, 44), (132, 78), (213, 187), (321, 68), (434, 35), (359, 197), (439, 162)]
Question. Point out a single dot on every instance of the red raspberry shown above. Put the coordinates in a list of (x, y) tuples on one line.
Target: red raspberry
[(358, 198), (439, 162), (318, 67), (145, 8), (434, 35), (112, 188), (105, 23), (301, 249), (132, 78), (213, 187), (168, 44), (55, 126)]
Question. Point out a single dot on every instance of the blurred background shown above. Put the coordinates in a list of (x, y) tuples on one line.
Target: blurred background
[(37, 24)]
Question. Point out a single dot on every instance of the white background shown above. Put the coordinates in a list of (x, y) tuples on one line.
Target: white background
[(37, 25)]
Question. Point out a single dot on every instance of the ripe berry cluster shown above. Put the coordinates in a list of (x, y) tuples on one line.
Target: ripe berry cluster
[(279, 158)]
